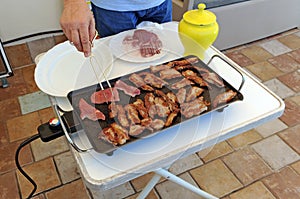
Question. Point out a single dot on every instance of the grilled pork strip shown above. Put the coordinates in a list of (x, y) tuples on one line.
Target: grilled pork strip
[(224, 97), (154, 80), (181, 95), (139, 82), (182, 83), (169, 73), (158, 68), (193, 93), (192, 108), (132, 114)]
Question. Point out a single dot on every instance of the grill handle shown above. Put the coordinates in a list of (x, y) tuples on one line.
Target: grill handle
[(232, 66), (67, 130)]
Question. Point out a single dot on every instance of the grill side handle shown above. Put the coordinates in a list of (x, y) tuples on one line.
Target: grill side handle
[(232, 66)]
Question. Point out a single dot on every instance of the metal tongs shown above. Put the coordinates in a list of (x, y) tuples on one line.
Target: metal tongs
[(95, 64)]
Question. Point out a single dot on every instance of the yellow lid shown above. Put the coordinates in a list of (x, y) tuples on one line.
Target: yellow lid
[(200, 16)]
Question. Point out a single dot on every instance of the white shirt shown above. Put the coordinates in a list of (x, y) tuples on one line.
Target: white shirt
[(126, 5)]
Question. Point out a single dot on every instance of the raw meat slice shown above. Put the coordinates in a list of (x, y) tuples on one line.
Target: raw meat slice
[(90, 112), (129, 90), (106, 95)]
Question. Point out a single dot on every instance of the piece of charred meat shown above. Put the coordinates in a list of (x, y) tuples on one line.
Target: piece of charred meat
[(136, 129), (194, 107), (181, 83), (153, 80), (139, 82), (140, 107), (122, 118), (169, 73), (157, 124), (132, 114), (224, 98), (193, 93), (181, 95), (191, 75), (158, 68), (213, 78), (115, 134), (191, 60), (89, 111), (171, 117)]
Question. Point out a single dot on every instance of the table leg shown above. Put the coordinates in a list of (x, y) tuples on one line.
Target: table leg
[(166, 174), (154, 180)]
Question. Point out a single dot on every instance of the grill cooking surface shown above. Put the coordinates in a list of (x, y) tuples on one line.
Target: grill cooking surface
[(205, 92)]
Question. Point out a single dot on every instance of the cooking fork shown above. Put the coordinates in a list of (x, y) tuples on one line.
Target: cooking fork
[(97, 64)]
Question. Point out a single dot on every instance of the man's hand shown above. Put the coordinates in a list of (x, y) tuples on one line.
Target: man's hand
[(78, 24)]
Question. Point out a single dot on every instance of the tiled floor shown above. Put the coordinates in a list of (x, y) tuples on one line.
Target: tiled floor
[(261, 163)]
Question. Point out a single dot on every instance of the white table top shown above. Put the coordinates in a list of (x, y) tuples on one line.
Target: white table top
[(130, 161)]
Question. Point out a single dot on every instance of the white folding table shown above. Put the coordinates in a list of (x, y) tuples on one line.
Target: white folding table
[(102, 172)]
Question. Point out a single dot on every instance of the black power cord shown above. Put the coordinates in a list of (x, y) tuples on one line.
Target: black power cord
[(24, 143)]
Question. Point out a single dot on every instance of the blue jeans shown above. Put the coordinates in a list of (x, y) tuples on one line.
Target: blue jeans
[(112, 22)]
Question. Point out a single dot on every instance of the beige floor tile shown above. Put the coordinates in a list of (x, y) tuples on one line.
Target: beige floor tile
[(291, 115), (255, 190), (292, 137), (247, 165), (67, 167), (18, 55), (284, 184), (184, 164), (279, 88), (215, 151), (140, 182), (7, 156), (296, 167), (284, 63), (43, 173), (275, 47), (26, 126), (292, 41), (42, 150), (256, 53), (264, 70), (73, 190), (8, 186), (168, 189), (244, 139), (271, 127), (275, 152), (215, 178)]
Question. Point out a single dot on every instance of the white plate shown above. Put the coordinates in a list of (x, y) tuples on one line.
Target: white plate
[(63, 69), (119, 49)]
